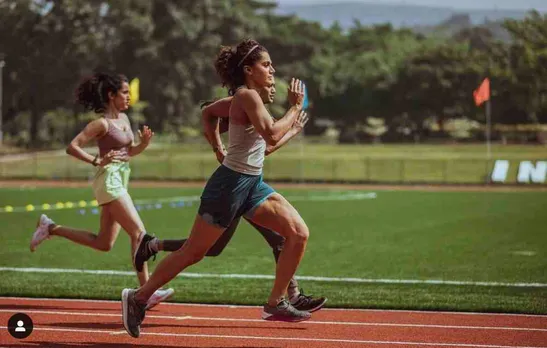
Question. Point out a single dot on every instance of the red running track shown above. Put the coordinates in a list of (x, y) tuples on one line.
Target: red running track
[(87, 323)]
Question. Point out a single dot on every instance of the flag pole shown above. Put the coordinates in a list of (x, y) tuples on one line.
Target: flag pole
[(488, 128), (481, 96)]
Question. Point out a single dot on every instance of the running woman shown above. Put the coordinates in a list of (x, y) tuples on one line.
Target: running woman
[(236, 188), (107, 94), (214, 117)]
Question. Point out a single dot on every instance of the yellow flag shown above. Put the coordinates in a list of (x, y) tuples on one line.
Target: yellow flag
[(134, 90)]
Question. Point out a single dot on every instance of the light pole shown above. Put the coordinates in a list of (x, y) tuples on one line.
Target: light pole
[(2, 63)]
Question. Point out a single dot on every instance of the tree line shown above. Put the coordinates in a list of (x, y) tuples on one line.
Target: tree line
[(368, 82)]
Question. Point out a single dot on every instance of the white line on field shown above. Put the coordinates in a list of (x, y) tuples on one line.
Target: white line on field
[(301, 339), (314, 322), (269, 277)]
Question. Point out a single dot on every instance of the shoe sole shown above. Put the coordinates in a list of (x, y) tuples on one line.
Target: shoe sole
[(125, 295), (162, 299), (286, 319)]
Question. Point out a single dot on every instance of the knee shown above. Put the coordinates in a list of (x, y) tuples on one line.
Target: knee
[(299, 232), (303, 234), (105, 246), (102, 244)]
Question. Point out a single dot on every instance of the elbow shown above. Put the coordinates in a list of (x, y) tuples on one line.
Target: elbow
[(272, 139), (70, 149)]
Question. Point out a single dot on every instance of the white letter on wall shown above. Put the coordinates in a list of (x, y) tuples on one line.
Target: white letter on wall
[(528, 172), (499, 173)]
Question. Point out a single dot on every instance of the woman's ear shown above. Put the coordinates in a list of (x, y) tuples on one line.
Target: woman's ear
[(247, 70), (111, 95)]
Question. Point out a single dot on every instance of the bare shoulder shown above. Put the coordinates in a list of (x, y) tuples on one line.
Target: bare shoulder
[(247, 97), (99, 124), (245, 93), (97, 127)]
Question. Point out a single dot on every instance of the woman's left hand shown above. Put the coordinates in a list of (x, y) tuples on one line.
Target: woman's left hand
[(113, 156), (220, 152), (301, 121), (146, 135)]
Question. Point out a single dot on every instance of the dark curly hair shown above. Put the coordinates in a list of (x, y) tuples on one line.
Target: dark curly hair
[(231, 60), (92, 93)]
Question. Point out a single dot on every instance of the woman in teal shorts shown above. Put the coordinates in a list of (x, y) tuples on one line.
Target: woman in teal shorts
[(107, 94), (215, 117), (237, 189)]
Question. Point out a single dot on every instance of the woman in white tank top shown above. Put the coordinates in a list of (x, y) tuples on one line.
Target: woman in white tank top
[(236, 188), (212, 114)]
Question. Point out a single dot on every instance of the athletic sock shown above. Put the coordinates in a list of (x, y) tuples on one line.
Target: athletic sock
[(173, 245), (154, 245)]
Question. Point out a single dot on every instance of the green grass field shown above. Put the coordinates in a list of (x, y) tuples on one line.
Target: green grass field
[(300, 161), (400, 235)]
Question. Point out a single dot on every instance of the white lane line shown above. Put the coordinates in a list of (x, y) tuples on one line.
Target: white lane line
[(301, 339), (313, 322), (271, 277), (485, 314)]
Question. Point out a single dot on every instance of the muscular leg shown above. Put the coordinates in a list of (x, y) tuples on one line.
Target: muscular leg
[(120, 212), (124, 212), (103, 241), (276, 242), (277, 214)]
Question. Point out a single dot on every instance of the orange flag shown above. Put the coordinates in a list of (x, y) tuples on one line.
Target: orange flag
[(482, 93)]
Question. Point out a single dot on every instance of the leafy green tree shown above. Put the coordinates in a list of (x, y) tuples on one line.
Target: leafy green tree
[(528, 65), (47, 44)]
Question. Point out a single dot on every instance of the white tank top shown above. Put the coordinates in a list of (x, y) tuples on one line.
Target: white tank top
[(246, 150)]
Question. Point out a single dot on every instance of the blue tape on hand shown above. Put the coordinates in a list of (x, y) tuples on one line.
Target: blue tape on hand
[(305, 103)]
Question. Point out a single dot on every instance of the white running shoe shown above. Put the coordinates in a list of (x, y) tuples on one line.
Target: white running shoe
[(159, 296), (41, 233)]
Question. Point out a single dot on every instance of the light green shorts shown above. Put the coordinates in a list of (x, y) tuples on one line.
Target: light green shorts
[(110, 182)]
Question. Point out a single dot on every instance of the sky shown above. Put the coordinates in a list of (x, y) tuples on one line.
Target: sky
[(540, 5)]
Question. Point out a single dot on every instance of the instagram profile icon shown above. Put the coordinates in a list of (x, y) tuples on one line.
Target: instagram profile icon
[(20, 326)]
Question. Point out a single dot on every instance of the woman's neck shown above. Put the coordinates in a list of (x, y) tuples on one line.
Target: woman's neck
[(251, 85), (112, 113)]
